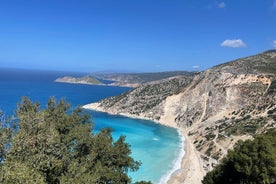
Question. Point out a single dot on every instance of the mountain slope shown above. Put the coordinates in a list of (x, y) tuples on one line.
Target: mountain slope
[(216, 107)]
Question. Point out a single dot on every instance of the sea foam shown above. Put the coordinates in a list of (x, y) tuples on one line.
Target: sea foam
[(176, 162)]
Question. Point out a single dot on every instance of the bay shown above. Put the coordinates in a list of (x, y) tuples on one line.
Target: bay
[(156, 146)]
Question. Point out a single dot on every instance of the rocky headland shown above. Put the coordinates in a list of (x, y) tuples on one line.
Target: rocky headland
[(213, 108), (79, 80)]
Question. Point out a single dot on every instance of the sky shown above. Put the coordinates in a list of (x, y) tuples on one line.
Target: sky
[(133, 35)]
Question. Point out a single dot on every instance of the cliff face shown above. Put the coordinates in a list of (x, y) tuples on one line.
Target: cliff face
[(217, 107)]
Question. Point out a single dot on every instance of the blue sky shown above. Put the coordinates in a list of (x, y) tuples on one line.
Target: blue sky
[(133, 35)]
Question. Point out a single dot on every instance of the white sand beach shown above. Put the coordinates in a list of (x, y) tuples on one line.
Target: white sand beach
[(191, 171)]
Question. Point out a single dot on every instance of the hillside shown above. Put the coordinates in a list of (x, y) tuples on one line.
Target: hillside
[(80, 80), (136, 79), (216, 107)]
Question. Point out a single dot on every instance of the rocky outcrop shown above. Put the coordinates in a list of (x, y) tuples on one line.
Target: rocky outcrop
[(217, 107)]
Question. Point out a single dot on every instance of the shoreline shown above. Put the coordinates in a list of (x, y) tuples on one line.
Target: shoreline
[(190, 171), (177, 162)]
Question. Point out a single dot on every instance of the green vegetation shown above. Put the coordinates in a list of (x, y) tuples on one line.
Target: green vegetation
[(57, 145), (246, 124), (210, 136), (268, 67), (252, 161), (272, 87), (143, 77), (260, 63), (146, 97), (81, 80)]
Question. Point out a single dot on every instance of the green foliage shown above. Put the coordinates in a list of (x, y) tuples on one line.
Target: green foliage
[(144, 77), (272, 87), (210, 136), (18, 172), (245, 125), (146, 97), (143, 182), (6, 131), (252, 161), (57, 145)]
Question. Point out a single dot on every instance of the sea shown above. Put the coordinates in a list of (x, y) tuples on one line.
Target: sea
[(158, 147)]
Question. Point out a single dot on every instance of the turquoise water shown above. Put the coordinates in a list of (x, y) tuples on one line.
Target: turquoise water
[(157, 147)]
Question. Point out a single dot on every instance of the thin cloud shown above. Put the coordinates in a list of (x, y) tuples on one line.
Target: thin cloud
[(221, 5), (195, 66), (274, 44), (235, 43), (274, 5)]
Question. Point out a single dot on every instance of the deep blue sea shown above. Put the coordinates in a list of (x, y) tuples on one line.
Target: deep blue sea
[(159, 148)]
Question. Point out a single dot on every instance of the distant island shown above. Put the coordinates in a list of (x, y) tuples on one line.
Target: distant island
[(124, 79), (79, 80)]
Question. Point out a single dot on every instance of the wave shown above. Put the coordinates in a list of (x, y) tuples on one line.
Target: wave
[(176, 162), (155, 139)]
